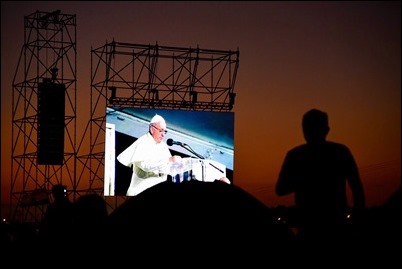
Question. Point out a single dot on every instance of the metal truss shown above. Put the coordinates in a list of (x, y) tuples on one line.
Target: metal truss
[(165, 77)]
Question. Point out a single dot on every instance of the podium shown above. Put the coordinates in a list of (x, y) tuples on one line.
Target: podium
[(197, 169)]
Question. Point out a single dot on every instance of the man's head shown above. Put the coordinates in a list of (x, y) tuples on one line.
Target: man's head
[(157, 128), (59, 192), (315, 126)]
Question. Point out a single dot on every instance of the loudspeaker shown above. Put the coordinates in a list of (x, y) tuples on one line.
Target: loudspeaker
[(51, 113)]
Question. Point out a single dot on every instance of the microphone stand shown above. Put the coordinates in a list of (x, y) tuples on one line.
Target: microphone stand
[(187, 147)]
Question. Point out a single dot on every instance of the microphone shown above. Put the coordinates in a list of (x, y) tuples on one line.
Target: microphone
[(171, 142)]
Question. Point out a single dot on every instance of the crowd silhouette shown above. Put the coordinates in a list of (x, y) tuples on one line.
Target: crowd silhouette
[(206, 222), (57, 223), (211, 222), (197, 219)]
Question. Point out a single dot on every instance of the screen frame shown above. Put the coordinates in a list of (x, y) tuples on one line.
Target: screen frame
[(209, 134)]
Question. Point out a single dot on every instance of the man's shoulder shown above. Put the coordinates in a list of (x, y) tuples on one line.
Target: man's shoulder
[(337, 145), (298, 148), (327, 145), (144, 137)]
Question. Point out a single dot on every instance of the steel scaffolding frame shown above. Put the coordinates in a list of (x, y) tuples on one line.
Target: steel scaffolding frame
[(48, 55)]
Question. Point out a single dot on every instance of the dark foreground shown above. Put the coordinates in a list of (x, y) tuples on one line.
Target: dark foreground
[(196, 224)]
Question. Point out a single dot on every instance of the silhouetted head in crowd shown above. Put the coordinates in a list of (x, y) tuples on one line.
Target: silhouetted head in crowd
[(90, 208), (59, 192), (315, 126)]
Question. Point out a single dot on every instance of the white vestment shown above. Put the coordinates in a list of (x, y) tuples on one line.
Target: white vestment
[(149, 161)]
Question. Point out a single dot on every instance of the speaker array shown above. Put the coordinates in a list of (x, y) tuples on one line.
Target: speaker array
[(51, 113)]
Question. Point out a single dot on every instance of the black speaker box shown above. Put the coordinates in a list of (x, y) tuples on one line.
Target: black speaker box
[(51, 114)]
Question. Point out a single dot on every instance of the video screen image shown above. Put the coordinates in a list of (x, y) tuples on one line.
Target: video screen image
[(204, 140)]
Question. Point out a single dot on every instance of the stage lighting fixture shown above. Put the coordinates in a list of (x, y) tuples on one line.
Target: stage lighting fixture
[(194, 96), (113, 93)]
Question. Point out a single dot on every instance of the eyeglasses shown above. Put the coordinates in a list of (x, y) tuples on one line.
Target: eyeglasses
[(160, 130)]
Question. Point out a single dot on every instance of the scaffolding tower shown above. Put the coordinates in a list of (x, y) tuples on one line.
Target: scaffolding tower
[(43, 114)]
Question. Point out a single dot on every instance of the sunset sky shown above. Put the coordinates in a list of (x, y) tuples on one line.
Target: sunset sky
[(341, 57)]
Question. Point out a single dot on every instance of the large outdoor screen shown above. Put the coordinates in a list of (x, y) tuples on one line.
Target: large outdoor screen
[(204, 140)]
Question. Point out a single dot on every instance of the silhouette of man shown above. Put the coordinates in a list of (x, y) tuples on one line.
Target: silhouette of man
[(317, 173)]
